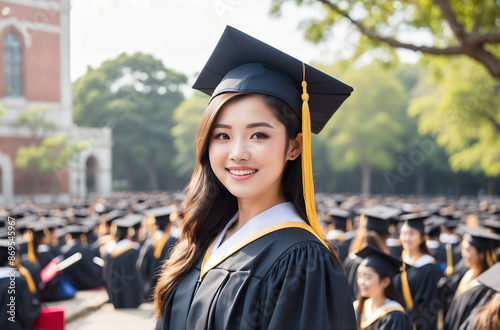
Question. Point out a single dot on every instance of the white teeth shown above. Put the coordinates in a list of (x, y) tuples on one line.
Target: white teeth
[(242, 172)]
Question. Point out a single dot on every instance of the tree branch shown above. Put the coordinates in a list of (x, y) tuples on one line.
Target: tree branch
[(490, 118), (390, 41), (450, 17)]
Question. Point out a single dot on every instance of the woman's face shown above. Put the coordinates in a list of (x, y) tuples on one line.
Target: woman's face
[(247, 148), (471, 256), (410, 237), (369, 282)]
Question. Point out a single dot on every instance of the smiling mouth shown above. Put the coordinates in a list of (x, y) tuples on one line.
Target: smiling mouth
[(241, 172)]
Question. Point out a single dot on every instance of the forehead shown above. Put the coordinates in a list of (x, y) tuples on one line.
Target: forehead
[(247, 109)]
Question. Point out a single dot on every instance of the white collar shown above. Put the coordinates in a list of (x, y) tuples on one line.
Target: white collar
[(367, 313), (283, 212), (449, 238), (432, 244), (7, 271), (43, 248), (334, 233), (124, 242), (422, 261)]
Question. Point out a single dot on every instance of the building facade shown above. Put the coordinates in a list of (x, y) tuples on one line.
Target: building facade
[(35, 72)]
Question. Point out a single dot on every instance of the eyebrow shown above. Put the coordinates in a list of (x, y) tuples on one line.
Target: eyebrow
[(248, 126)]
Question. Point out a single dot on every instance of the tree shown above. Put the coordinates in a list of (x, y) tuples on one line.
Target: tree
[(366, 131), (34, 118), (135, 95), (456, 27), (187, 117), (462, 114)]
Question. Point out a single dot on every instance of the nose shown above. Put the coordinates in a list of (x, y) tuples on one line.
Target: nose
[(239, 150)]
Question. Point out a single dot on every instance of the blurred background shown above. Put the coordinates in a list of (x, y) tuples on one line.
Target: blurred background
[(96, 95)]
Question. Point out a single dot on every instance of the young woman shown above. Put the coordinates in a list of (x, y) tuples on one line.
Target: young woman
[(418, 286), (478, 246), (248, 257), (379, 305)]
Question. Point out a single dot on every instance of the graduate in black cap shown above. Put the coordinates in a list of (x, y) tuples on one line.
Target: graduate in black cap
[(156, 249), (252, 253), (379, 305), (478, 247), (84, 274), (418, 286), (122, 281), (20, 300), (487, 317), (373, 230), (341, 233)]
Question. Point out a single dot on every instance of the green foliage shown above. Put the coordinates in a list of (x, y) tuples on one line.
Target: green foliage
[(34, 118), (187, 117), (2, 110), (136, 96), (462, 114)]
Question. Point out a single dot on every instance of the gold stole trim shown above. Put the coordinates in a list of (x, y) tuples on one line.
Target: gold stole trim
[(249, 239), (404, 282), (377, 315), (339, 237), (127, 247), (27, 276), (160, 244), (467, 282), (449, 260)]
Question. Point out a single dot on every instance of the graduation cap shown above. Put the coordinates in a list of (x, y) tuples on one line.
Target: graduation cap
[(378, 218), (128, 225), (492, 224), (113, 215), (162, 215), (340, 217), (415, 220), (4, 248), (490, 277), (433, 225), (480, 237), (243, 64), (383, 262)]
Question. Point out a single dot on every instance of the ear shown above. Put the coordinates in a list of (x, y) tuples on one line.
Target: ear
[(385, 282), (294, 147)]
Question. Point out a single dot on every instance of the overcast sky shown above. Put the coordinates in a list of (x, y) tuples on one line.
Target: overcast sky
[(183, 33)]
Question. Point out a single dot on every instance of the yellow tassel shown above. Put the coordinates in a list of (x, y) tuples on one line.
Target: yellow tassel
[(83, 239), (494, 256), (348, 225), (406, 289), (27, 276), (307, 175), (489, 259), (449, 260), (28, 236), (151, 225), (161, 243)]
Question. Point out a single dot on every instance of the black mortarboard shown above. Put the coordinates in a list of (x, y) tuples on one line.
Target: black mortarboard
[(384, 263), (75, 230), (378, 218), (490, 277), (241, 63), (492, 224), (113, 215), (480, 237), (339, 216), (163, 214), (433, 225), (125, 225), (4, 248), (414, 220)]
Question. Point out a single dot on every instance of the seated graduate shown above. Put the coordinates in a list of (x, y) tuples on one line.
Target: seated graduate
[(373, 230), (20, 299), (156, 249), (84, 274), (122, 281), (252, 253), (418, 285), (487, 317), (340, 233), (478, 246), (379, 306)]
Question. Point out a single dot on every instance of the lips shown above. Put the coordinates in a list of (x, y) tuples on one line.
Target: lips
[(242, 172)]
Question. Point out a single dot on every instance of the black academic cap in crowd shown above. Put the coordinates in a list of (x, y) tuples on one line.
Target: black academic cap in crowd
[(415, 220), (113, 215), (127, 225), (243, 64), (339, 216), (479, 237), (4, 248), (378, 218), (490, 277), (385, 263), (76, 230), (493, 224), (163, 215), (433, 225), (89, 222)]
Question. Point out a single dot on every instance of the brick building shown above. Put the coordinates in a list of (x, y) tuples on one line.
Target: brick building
[(35, 72)]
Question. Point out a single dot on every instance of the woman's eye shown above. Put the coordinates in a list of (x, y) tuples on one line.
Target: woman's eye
[(221, 136), (259, 136)]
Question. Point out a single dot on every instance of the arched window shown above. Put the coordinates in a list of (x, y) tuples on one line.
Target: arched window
[(12, 64)]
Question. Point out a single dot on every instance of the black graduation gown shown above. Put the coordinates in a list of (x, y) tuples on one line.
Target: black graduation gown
[(464, 303), (122, 281), (58, 288), (351, 265), (423, 287), (84, 274), (26, 306), (342, 247), (395, 320), (439, 253), (286, 279), (149, 267)]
